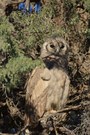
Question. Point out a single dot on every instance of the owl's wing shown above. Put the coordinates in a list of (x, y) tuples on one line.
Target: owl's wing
[(36, 92), (33, 79), (65, 90)]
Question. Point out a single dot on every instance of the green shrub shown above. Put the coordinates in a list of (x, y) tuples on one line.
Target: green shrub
[(20, 35)]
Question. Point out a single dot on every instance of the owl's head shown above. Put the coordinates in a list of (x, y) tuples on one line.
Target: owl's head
[(54, 47)]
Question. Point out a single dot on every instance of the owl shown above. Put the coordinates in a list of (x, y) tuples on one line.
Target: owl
[(48, 87)]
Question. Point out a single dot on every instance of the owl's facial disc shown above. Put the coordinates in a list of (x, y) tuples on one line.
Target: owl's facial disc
[(54, 49), (63, 46), (50, 49)]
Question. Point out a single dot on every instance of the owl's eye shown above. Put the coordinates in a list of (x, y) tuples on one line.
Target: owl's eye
[(62, 46), (52, 46)]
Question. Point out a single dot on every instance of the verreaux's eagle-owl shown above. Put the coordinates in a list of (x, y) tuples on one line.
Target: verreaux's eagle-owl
[(48, 87)]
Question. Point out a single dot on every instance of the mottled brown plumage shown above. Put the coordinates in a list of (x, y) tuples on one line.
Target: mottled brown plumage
[(48, 87)]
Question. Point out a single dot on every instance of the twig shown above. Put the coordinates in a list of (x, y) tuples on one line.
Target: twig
[(14, 111), (23, 129), (65, 130), (56, 133), (2, 104), (7, 134), (71, 108)]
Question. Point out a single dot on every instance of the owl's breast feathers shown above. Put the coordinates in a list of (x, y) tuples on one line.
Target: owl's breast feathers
[(45, 89)]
